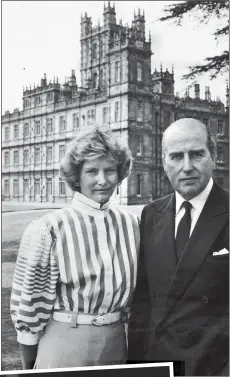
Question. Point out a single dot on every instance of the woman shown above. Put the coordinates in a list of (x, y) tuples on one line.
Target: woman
[(76, 268)]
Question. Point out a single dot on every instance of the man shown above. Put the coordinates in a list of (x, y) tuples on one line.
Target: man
[(185, 251)]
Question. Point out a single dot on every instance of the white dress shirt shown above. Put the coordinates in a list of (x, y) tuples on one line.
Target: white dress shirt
[(197, 205)]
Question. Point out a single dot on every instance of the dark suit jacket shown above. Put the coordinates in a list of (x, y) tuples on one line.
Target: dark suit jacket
[(180, 310)]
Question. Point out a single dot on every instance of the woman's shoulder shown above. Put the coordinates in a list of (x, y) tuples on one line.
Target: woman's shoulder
[(125, 212)]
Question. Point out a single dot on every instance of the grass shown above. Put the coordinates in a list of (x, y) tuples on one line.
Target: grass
[(10, 347)]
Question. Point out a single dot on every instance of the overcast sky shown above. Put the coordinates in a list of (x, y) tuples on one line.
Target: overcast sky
[(44, 37)]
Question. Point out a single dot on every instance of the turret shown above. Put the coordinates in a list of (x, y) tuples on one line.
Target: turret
[(109, 14), (138, 24), (86, 25)]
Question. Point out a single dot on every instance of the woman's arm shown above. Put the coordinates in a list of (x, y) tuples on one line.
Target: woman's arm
[(34, 288)]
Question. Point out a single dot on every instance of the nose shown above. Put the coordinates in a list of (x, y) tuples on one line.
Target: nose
[(187, 165), (101, 178)]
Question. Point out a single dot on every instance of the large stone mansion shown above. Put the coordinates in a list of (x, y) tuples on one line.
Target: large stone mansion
[(118, 90)]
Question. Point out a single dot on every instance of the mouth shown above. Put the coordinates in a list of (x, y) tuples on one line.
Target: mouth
[(189, 180), (102, 191)]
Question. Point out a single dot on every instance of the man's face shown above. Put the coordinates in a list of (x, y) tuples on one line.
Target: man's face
[(187, 160)]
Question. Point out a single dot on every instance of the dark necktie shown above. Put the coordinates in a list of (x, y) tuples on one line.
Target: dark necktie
[(183, 230)]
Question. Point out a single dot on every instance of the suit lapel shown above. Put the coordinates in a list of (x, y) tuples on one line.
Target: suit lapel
[(212, 219)]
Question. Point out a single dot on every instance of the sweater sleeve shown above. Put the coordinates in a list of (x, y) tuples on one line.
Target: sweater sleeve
[(34, 283)]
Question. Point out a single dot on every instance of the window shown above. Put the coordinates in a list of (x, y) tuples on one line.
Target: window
[(139, 145), (49, 186), (94, 80), (26, 103), (62, 124), (139, 112), (105, 115), (90, 116), (15, 187), (37, 129), (37, 155), (220, 154), (16, 131), (49, 97), (15, 158), (116, 115), (61, 151), (61, 187), (94, 51), (157, 119), (6, 187), (7, 158), (26, 186), (117, 72), (139, 71), (138, 184), (37, 186), (49, 154), (26, 157), (205, 121), (76, 121), (26, 130), (50, 125), (7, 133), (220, 127), (37, 100)]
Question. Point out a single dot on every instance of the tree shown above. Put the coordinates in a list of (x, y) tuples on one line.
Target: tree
[(203, 11)]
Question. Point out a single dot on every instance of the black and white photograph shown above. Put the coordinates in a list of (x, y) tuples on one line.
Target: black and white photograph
[(115, 179)]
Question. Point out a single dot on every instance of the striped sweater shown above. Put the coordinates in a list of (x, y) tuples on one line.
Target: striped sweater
[(81, 258)]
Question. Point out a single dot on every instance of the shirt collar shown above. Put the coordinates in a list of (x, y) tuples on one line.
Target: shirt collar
[(199, 200), (84, 203)]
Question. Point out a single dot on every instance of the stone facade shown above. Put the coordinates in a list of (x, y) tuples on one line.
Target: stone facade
[(117, 91)]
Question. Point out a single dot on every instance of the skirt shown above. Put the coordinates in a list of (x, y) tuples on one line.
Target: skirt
[(63, 346)]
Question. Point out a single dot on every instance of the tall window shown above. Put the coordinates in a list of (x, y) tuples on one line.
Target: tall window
[(139, 145), (94, 51), (105, 115), (90, 116), (37, 100), (37, 155), (26, 130), (7, 133), (26, 157), (49, 154), (220, 154), (61, 151), (61, 187), (6, 187), (138, 184), (16, 131), (62, 124), (15, 187), (50, 125), (7, 158), (26, 186), (139, 112), (116, 115), (15, 158), (157, 118), (76, 122), (220, 127), (94, 80), (49, 186), (49, 97), (205, 121), (37, 129), (117, 72), (139, 71), (37, 186)]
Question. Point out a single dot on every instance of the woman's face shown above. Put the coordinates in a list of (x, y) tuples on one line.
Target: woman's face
[(98, 179)]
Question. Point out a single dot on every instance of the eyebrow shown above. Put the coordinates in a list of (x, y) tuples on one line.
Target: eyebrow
[(190, 151)]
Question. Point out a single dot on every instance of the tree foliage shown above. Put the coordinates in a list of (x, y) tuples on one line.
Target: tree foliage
[(203, 12)]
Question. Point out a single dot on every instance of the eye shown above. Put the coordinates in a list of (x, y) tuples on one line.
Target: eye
[(196, 154), (111, 170), (92, 171), (177, 157)]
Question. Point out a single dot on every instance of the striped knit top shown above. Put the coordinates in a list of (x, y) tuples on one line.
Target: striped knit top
[(81, 258)]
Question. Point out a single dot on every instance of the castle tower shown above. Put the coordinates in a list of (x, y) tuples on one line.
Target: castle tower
[(138, 24), (109, 15)]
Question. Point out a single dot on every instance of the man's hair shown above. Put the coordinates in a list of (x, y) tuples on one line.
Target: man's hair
[(94, 143), (211, 143)]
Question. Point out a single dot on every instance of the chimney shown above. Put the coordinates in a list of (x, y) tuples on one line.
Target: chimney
[(197, 90), (207, 93)]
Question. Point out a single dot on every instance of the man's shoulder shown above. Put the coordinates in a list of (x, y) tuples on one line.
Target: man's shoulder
[(158, 203), (221, 194)]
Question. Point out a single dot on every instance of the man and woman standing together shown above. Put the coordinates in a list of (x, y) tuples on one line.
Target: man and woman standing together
[(76, 270)]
